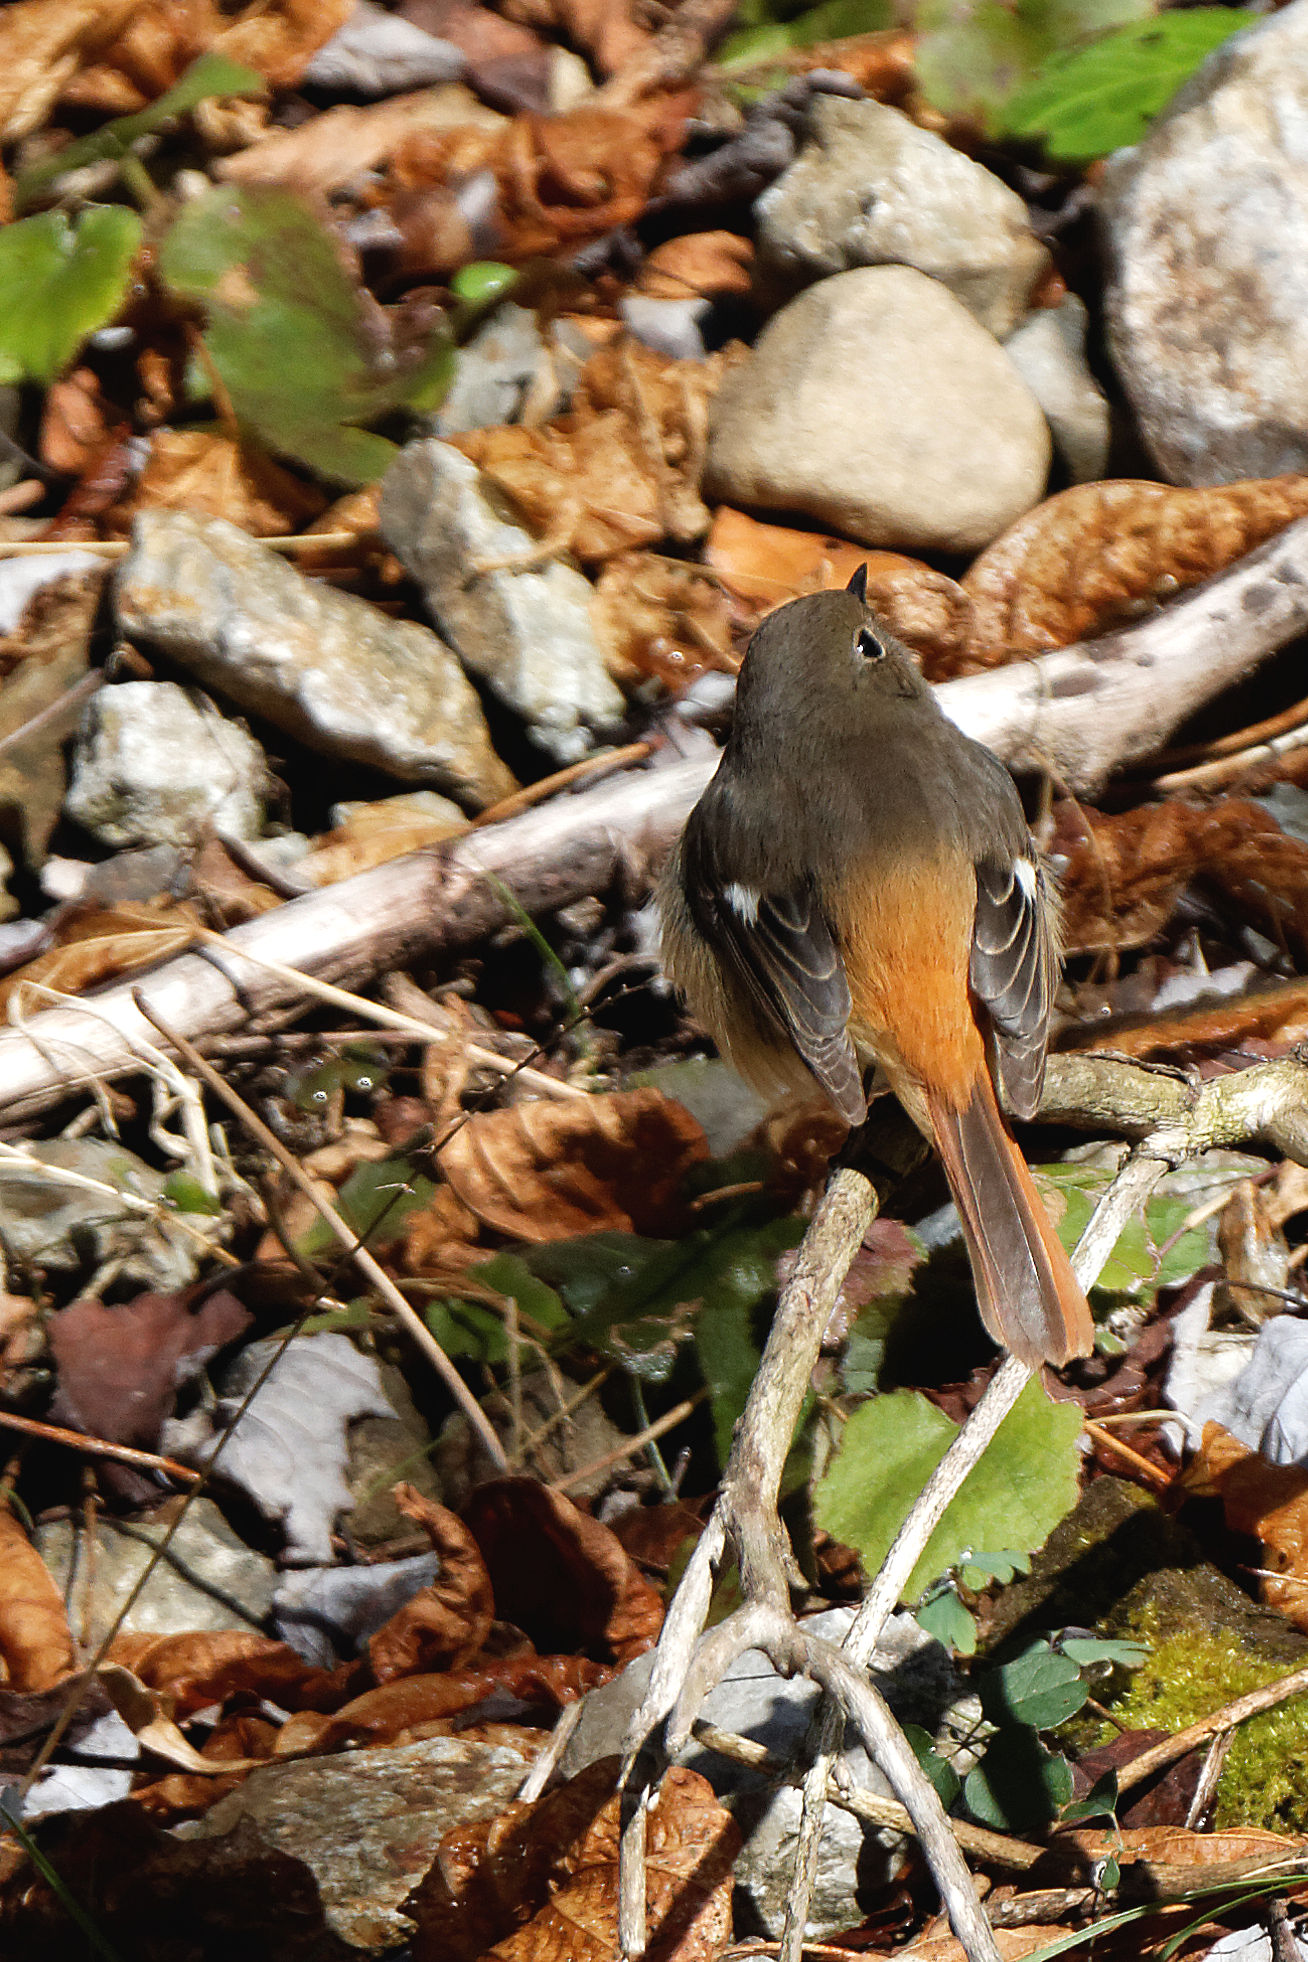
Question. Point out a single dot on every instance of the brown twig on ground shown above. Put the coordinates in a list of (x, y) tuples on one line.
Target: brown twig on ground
[(367, 1263), (97, 1447)]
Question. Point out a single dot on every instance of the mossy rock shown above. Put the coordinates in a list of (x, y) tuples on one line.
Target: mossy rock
[(1121, 1565)]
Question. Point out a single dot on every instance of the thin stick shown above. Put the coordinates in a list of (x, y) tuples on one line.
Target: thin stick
[(366, 1262), (588, 768), (97, 1447), (1153, 1475), (292, 545), (1227, 1718), (630, 1446)]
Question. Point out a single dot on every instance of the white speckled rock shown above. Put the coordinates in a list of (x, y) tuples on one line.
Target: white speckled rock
[(528, 632), (154, 766), (870, 188), (1206, 226), (1048, 351), (874, 403)]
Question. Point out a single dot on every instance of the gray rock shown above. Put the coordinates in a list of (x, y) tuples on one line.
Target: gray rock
[(20, 578), (668, 326), (153, 766), (869, 188), (326, 1613), (377, 53), (501, 366), (204, 1549), (51, 1218), (875, 404), (1048, 351), (918, 1680), (1206, 227), (325, 666), (527, 632), (367, 1823)]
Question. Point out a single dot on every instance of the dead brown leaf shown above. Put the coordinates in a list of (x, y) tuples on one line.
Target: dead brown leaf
[(75, 423), (662, 617), (215, 476), (1097, 555), (119, 1369), (42, 45), (550, 1170), (1123, 874), (36, 1643), (374, 833), (622, 468), (161, 38), (699, 263), (98, 945), (1011, 1943), (339, 145), (559, 1574), (539, 1884), (414, 1707), (50, 651), (206, 1666), (1269, 1502), (1265, 1022), (444, 1625), (767, 565), (604, 29)]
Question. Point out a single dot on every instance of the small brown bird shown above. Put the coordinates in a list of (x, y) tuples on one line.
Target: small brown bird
[(858, 885)]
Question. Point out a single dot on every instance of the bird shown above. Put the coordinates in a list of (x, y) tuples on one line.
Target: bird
[(858, 886)]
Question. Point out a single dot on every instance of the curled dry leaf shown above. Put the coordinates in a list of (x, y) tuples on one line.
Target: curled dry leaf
[(1123, 874), (371, 834), (539, 1884), (98, 945), (36, 1643), (43, 43), (1099, 554), (706, 264), (209, 1666), (559, 1574), (622, 467), (550, 1170), (444, 1625), (1266, 1022), (414, 1707), (153, 43), (217, 477), (1268, 1502), (765, 565), (337, 147), (604, 29), (662, 617)]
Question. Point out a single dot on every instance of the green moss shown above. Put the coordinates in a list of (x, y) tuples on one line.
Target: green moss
[(1264, 1781)]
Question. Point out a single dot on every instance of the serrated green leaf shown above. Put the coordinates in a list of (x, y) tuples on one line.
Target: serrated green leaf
[(979, 1569), (974, 55), (60, 283), (212, 74), (1025, 1482), (293, 338), (938, 1769), (1040, 1687), (944, 1616), (1085, 102), (1019, 1785)]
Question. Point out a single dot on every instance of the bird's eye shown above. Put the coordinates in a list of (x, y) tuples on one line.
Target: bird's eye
[(867, 644)]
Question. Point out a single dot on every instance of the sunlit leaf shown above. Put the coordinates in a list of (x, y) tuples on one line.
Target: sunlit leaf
[(60, 283), (1040, 1687), (974, 55)]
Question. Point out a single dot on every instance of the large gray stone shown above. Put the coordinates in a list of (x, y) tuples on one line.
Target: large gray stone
[(875, 404), (869, 188), (326, 666), (153, 766), (1206, 227), (524, 625)]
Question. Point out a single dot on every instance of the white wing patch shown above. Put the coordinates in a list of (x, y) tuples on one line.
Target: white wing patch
[(743, 901), (1027, 878)]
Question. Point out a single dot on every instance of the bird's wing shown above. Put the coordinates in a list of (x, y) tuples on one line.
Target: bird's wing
[(1013, 969), (779, 947)]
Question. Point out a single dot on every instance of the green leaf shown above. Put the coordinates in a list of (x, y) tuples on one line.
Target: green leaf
[(1089, 1649), (184, 1190), (1023, 1485), (296, 342), (1100, 1802), (1039, 1687), (1137, 1266), (467, 1327), (1019, 1785), (1085, 102), (771, 34), (944, 1616), (60, 284), (483, 282), (979, 1569), (974, 55), (213, 74), (377, 1195), (938, 1769)]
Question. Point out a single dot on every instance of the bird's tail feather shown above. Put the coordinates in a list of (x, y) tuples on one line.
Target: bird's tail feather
[(1029, 1298)]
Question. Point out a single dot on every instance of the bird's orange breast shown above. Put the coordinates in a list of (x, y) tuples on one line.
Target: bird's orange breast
[(905, 932)]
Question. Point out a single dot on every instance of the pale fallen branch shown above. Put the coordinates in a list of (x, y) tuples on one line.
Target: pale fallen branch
[(1081, 712)]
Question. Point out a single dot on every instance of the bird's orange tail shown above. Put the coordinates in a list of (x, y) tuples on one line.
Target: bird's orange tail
[(1029, 1298)]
